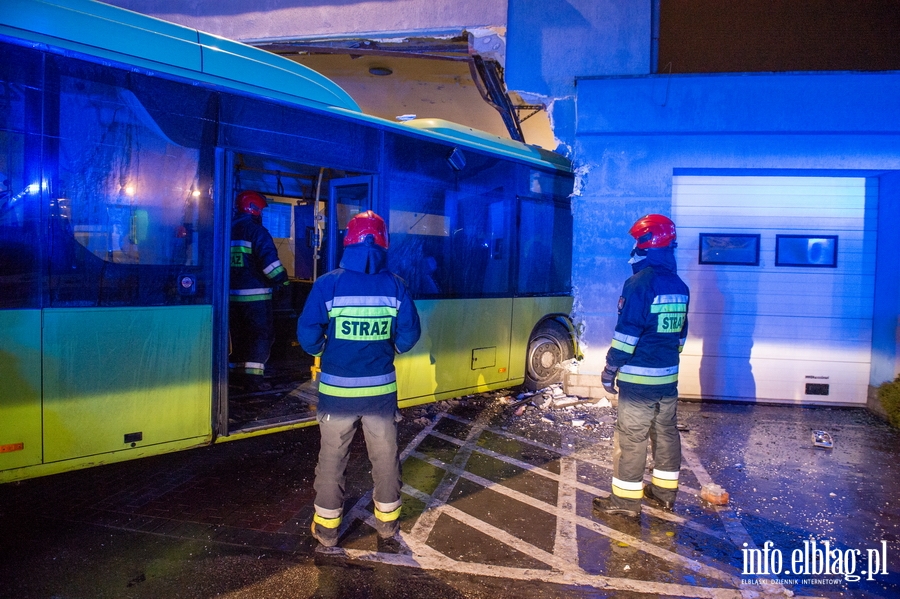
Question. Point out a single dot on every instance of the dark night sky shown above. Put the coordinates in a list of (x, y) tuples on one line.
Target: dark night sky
[(779, 35)]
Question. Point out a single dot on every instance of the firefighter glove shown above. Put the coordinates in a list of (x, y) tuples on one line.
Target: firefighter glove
[(608, 378)]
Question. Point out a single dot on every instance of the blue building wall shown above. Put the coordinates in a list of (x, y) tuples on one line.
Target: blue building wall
[(886, 316), (632, 134)]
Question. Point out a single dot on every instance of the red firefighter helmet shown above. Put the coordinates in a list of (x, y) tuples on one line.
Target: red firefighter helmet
[(251, 202), (365, 224), (653, 231)]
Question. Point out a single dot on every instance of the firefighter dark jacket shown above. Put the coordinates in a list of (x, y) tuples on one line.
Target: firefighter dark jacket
[(652, 325), (357, 317), (255, 267)]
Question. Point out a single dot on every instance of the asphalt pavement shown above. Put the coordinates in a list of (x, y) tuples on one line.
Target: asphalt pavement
[(497, 503)]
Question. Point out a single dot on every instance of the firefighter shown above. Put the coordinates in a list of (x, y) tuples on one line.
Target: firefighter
[(255, 270), (649, 336), (356, 318)]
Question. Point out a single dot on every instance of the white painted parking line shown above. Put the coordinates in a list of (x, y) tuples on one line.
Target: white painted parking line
[(614, 534), (563, 561), (588, 488), (426, 521), (566, 542), (429, 560)]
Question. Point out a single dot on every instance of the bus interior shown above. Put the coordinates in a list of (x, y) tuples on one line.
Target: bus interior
[(298, 199)]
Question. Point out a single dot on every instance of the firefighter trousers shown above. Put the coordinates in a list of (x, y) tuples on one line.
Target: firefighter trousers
[(252, 335), (337, 432), (645, 414)]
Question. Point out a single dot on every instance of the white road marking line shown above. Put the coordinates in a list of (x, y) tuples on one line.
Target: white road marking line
[(566, 542), (433, 561), (564, 559), (426, 521), (644, 546), (661, 514)]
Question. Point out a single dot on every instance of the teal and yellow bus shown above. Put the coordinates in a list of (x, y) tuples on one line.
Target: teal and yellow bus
[(123, 142)]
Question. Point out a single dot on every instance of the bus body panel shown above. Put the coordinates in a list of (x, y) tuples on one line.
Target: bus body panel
[(104, 27), (112, 33), (111, 457), (454, 331), (116, 378), (20, 388), (488, 141), (240, 63), (122, 363)]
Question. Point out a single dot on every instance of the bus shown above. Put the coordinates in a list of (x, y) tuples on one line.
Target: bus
[(124, 140)]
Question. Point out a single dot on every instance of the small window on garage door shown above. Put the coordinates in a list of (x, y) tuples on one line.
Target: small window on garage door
[(729, 248), (806, 250)]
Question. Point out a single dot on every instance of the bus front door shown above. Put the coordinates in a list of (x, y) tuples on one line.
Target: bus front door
[(347, 197)]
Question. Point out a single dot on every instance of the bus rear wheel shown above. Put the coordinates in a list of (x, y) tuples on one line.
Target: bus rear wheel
[(549, 347)]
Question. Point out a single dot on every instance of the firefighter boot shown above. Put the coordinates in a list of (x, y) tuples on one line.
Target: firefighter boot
[(328, 537), (388, 529), (656, 501), (604, 505)]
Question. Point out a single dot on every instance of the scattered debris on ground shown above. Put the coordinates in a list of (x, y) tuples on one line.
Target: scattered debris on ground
[(714, 494), (548, 408), (822, 439)]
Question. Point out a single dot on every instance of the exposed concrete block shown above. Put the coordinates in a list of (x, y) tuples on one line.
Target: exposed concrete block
[(580, 391), (582, 380), (587, 386)]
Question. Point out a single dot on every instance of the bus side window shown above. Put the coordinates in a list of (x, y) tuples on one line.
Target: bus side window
[(132, 214), (545, 264), (22, 189)]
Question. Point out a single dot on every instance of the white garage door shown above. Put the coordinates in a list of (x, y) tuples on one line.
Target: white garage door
[(799, 331)]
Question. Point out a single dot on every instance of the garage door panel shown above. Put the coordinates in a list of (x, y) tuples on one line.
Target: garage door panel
[(780, 282), (850, 264), (766, 305), (779, 305), (857, 241), (747, 331), (758, 331), (793, 220), (797, 304), (749, 347), (771, 380), (768, 187)]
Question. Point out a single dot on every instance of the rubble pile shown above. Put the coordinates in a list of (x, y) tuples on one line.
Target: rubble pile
[(568, 415)]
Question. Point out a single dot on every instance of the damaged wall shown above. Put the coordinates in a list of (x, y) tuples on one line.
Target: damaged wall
[(552, 42), (426, 88)]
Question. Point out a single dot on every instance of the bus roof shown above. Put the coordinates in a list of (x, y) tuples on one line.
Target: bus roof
[(125, 36), (118, 34)]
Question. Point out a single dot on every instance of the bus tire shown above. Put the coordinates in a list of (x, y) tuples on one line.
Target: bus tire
[(548, 348)]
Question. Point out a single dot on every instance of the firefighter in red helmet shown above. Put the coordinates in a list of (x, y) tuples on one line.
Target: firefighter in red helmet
[(255, 270), (357, 317), (643, 359)]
